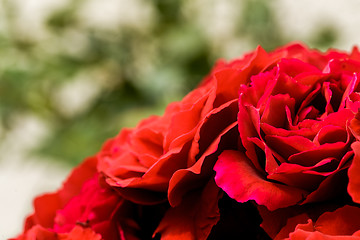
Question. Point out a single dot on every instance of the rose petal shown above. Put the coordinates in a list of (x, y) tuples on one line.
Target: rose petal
[(290, 225), (238, 178), (210, 127), (313, 156), (353, 173), (194, 217), (77, 233), (81, 233), (44, 216), (275, 110), (288, 146), (183, 123), (293, 67), (249, 127), (355, 126), (274, 221), (331, 134), (184, 180), (343, 223)]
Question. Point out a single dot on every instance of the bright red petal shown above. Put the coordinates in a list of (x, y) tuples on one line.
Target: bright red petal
[(238, 178)]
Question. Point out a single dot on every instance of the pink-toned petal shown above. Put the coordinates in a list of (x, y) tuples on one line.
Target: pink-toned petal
[(353, 173), (236, 175)]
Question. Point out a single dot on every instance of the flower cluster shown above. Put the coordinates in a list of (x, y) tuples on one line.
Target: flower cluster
[(266, 147)]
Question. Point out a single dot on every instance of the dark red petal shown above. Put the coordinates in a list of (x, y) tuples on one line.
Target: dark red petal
[(236, 175), (274, 221), (184, 180), (290, 225), (249, 127), (288, 146), (331, 134), (194, 217), (210, 127), (313, 156), (332, 187), (355, 126), (353, 173), (275, 110)]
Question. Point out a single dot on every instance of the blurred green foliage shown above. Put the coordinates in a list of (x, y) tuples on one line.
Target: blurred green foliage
[(132, 71)]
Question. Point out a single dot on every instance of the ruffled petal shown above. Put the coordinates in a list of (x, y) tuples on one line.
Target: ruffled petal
[(240, 180), (194, 218)]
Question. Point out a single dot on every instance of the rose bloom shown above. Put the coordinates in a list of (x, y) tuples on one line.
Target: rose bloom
[(87, 208), (270, 139)]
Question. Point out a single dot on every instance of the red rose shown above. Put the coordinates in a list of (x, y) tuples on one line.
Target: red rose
[(171, 158), (80, 208), (278, 128), (297, 123)]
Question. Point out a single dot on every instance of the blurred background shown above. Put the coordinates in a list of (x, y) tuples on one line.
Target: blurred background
[(74, 72)]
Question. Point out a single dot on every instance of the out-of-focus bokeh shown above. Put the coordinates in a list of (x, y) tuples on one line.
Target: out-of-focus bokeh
[(74, 72)]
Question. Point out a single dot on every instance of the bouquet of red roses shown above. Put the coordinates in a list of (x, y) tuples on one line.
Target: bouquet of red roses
[(266, 147)]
